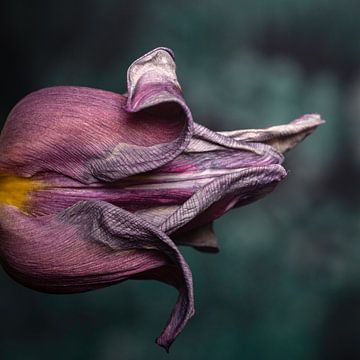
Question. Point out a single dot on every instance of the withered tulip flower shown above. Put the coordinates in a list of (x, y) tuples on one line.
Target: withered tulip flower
[(97, 187)]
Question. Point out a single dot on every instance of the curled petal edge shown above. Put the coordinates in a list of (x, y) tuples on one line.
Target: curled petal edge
[(250, 183), (90, 245), (91, 135), (152, 87)]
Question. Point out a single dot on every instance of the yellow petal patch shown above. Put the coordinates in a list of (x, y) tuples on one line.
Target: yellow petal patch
[(14, 190)]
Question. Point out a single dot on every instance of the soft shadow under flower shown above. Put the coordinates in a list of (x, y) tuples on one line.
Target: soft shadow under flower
[(97, 188)]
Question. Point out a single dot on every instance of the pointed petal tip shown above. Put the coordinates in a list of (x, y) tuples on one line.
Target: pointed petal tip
[(272, 173), (286, 137), (313, 119), (278, 171), (165, 345), (152, 79), (159, 49), (166, 338)]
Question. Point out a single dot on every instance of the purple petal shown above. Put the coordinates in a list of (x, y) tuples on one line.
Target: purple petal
[(61, 193), (152, 87), (237, 188), (172, 184), (213, 199), (91, 245), (89, 134)]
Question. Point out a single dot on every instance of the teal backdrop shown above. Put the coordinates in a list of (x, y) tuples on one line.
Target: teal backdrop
[(286, 284)]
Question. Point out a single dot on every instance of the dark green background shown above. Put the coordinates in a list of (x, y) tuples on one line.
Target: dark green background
[(286, 284)]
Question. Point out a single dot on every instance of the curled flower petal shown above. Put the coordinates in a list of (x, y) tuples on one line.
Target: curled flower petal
[(152, 87), (280, 137), (215, 198), (253, 182), (96, 245), (91, 135), (171, 184)]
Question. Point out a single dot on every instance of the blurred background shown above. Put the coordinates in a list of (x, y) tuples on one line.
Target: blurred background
[(286, 284)]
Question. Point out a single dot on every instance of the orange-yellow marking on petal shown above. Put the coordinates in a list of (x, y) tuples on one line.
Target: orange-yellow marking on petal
[(14, 190)]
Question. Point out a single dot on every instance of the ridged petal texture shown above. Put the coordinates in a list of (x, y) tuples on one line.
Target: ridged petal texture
[(97, 188)]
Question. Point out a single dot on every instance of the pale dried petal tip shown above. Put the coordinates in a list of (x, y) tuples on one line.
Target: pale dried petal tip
[(281, 137)]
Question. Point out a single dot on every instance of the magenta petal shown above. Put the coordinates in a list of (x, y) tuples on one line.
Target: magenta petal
[(91, 245), (90, 135)]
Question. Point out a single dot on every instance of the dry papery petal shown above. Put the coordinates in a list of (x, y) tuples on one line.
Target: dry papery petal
[(91, 135), (280, 137)]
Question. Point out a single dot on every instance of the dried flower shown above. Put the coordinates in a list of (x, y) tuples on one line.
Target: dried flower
[(97, 188)]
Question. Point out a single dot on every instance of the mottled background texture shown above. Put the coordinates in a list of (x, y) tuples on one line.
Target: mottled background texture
[(286, 284)]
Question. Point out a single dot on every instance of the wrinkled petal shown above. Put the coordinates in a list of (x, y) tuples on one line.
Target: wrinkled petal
[(281, 137), (215, 198), (241, 187), (59, 194), (171, 184), (152, 86), (223, 159), (90, 245), (90, 135)]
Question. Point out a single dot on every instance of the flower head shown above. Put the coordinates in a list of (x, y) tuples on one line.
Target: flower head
[(97, 188)]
